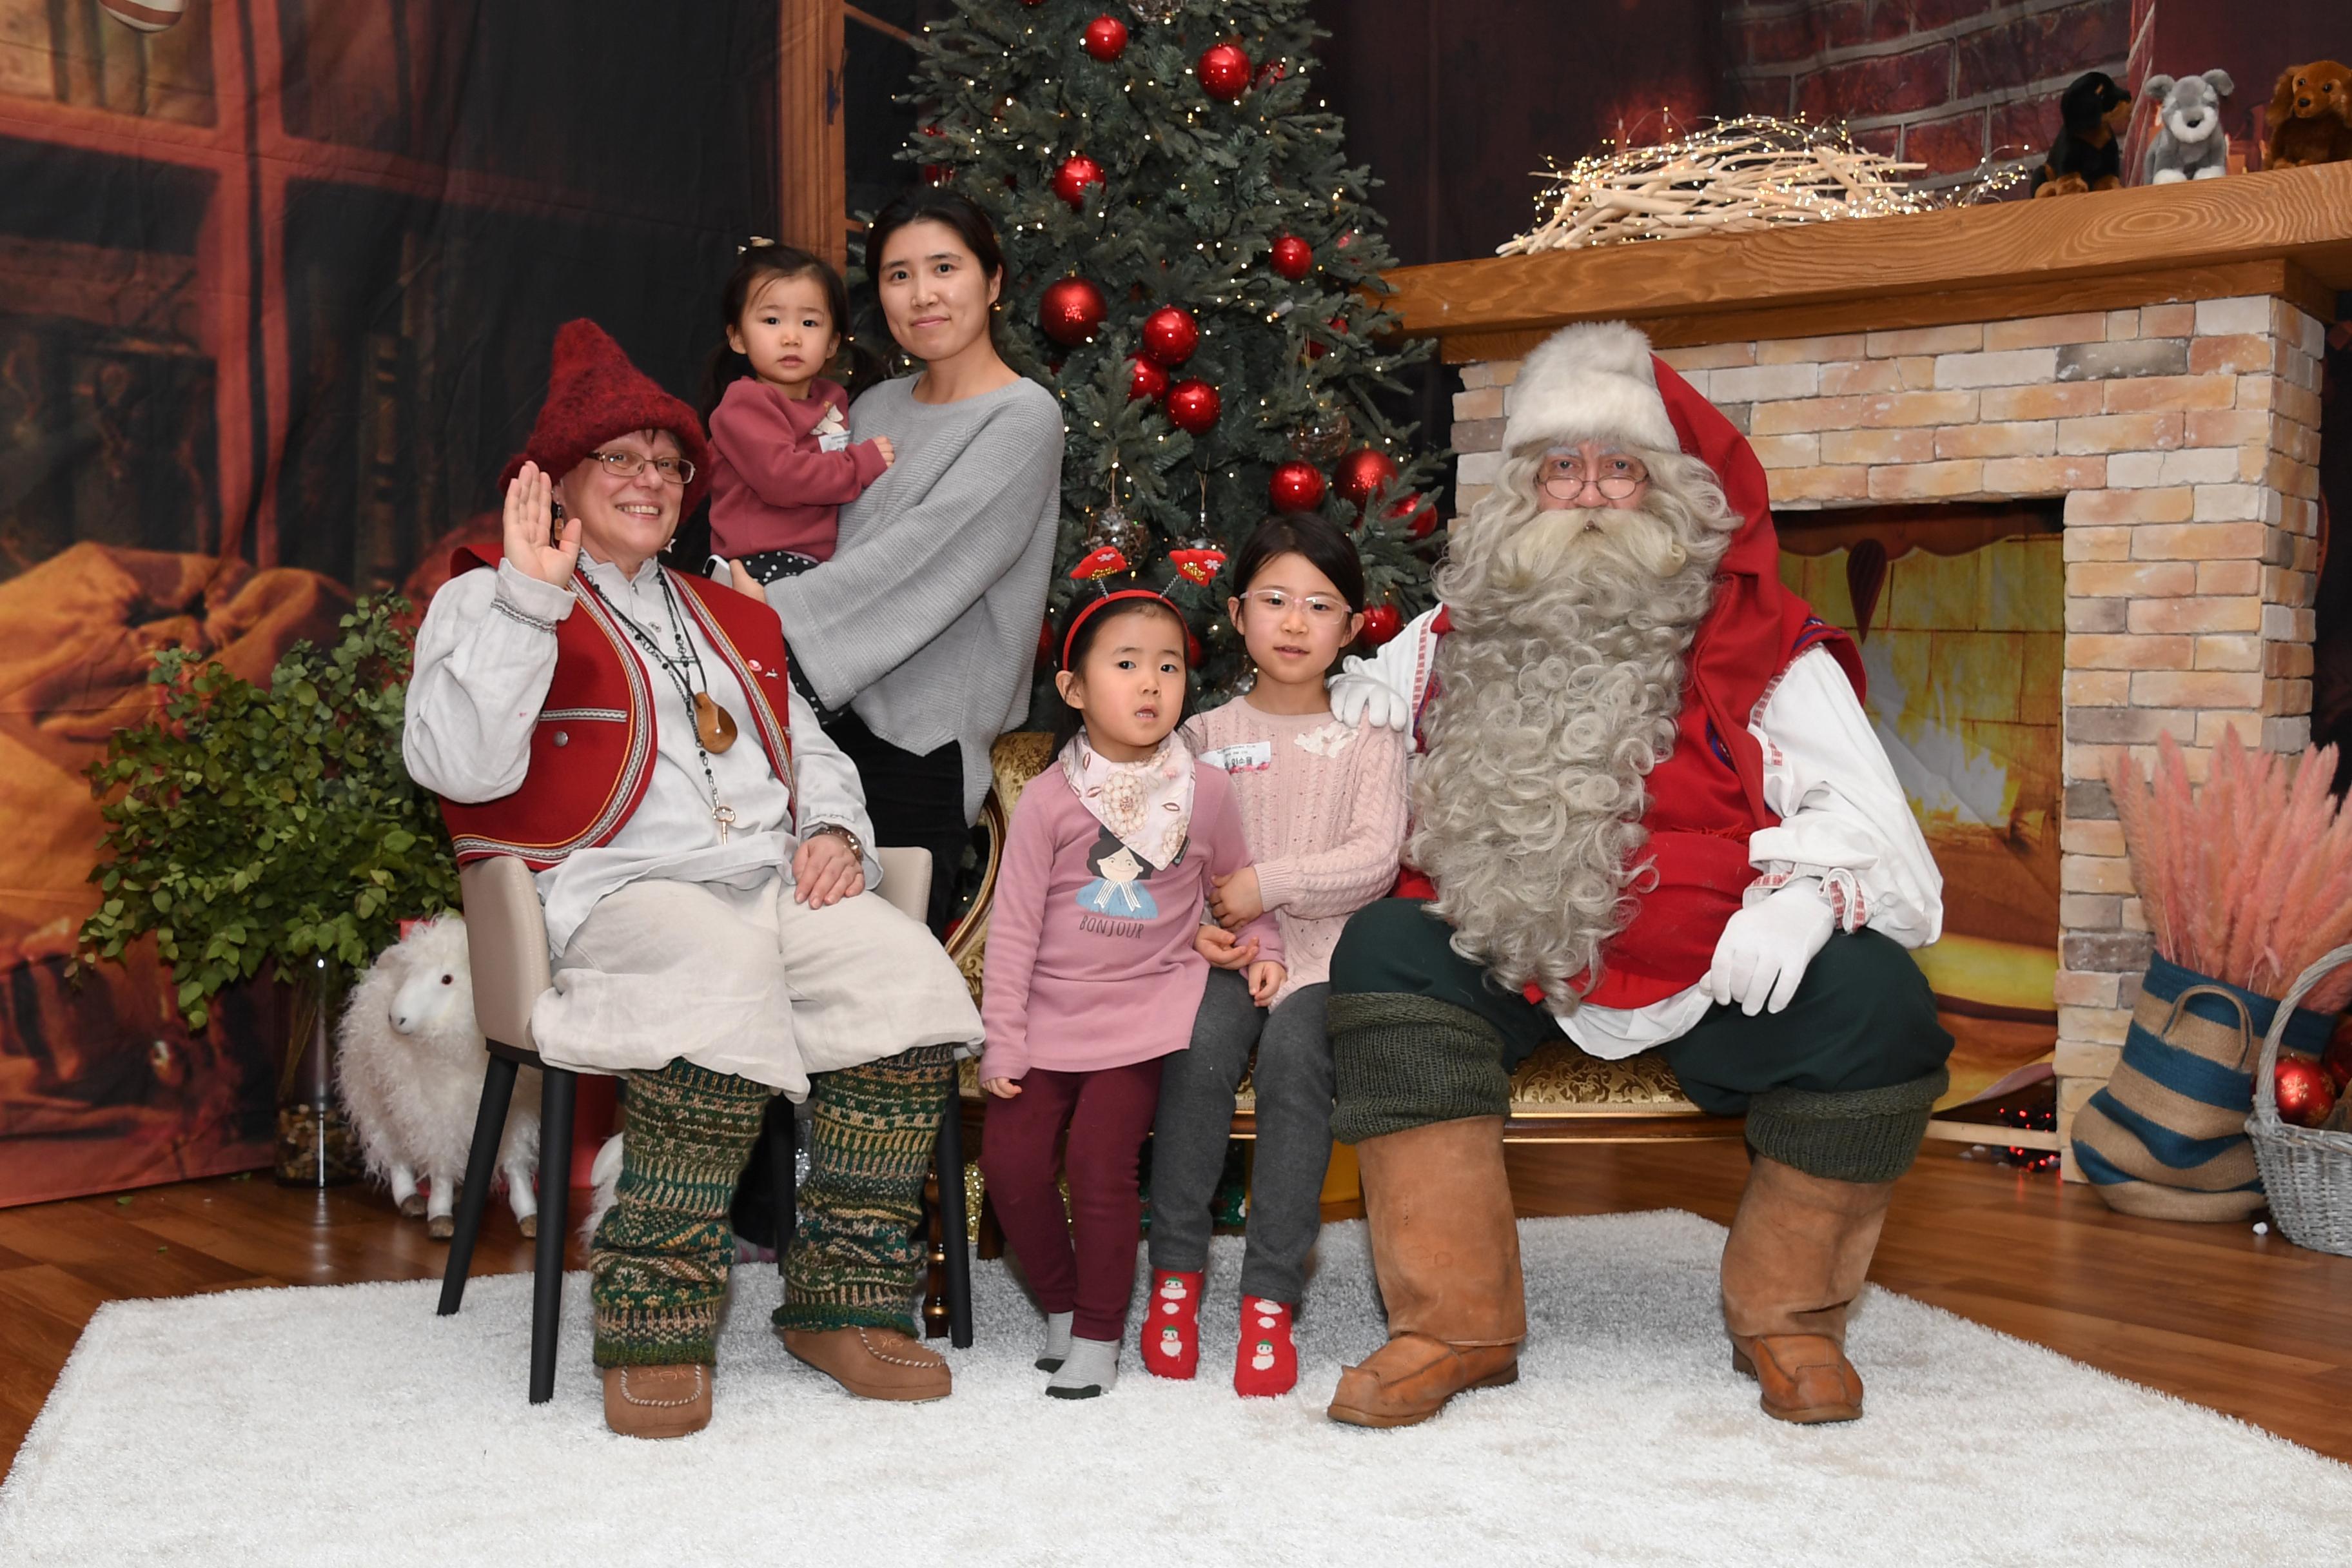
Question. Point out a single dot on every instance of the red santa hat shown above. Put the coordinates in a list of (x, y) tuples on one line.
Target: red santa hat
[(594, 393), (1591, 382)]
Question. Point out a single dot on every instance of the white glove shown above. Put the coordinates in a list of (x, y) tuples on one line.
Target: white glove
[(1359, 692), (1764, 949)]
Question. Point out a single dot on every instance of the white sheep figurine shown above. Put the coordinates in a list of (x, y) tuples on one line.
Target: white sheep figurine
[(412, 1063)]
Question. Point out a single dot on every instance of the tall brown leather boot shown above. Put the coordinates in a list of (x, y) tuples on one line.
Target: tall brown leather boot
[(1438, 1204), (1799, 1249)]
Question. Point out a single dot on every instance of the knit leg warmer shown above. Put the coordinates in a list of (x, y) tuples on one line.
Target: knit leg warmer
[(658, 1267), (1401, 1061), (856, 1261), (1864, 1135)]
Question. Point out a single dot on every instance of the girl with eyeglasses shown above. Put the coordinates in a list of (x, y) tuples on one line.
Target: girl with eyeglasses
[(1323, 811)]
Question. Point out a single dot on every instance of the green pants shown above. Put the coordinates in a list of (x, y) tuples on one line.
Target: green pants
[(659, 1263), (1838, 1083)]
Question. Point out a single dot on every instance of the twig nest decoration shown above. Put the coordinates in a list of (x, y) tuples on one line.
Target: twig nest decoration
[(1726, 176)]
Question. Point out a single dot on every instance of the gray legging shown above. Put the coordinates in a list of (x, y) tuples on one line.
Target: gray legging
[(1294, 1135)]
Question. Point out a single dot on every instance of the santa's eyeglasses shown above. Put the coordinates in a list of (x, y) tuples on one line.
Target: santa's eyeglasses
[(1565, 474)]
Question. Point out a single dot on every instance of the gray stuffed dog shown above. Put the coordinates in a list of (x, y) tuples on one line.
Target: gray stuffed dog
[(2189, 142)]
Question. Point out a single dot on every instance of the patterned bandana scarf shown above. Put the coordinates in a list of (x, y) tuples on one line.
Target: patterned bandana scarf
[(1147, 805)]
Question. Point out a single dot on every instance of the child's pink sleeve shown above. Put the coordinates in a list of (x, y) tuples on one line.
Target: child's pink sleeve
[(1228, 852), (1017, 923), (783, 467), (1363, 864)]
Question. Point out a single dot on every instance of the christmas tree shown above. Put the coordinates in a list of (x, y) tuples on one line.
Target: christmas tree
[(1192, 268)]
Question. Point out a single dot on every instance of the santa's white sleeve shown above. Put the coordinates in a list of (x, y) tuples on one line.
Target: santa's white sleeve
[(1404, 661), (1845, 826)]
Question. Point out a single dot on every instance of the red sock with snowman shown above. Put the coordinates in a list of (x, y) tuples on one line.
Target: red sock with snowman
[(1265, 1363), (1171, 1324)]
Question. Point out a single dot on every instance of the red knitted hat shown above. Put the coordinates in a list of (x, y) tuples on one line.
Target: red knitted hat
[(594, 393)]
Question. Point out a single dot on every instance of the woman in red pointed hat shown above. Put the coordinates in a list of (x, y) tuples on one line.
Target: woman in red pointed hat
[(631, 734)]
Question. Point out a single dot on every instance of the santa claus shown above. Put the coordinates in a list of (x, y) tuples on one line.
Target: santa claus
[(1647, 810)]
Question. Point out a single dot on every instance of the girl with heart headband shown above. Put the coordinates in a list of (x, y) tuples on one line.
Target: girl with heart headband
[(1323, 810), (1093, 978)]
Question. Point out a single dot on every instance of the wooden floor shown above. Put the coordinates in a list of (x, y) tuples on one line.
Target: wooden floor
[(2251, 1325)]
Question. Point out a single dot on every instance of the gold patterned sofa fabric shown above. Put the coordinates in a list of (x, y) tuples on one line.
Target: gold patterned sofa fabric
[(1558, 1095)]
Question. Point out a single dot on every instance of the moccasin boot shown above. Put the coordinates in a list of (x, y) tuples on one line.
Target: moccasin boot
[(1800, 1250), (873, 1363), (1446, 1250), (657, 1401)]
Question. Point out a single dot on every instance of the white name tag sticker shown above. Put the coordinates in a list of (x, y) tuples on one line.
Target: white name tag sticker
[(834, 441), (1249, 757)]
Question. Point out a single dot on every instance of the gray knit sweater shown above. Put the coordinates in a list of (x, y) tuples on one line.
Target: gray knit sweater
[(925, 621)]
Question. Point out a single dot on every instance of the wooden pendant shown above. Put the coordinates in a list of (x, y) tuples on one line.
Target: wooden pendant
[(712, 724)]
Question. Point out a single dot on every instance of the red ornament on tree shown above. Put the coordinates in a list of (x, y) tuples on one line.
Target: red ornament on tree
[(1293, 258), (936, 174), (1295, 487), (1382, 622), (1145, 379), (1362, 473), (1170, 335), (1076, 172), (1106, 39), (1424, 520), (1071, 310), (2305, 1095), (1271, 72), (1338, 324), (1193, 406), (1225, 72)]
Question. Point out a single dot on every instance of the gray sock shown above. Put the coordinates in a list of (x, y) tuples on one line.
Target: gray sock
[(1092, 1369), (1057, 1341)]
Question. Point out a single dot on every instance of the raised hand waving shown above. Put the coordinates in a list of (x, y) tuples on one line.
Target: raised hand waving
[(532, 543)]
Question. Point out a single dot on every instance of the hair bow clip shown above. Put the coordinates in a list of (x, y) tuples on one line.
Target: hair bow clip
[(1197, 566), (756, 243), (1103, 560)]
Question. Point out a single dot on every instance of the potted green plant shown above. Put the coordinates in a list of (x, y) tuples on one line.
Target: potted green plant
[(250, 827)]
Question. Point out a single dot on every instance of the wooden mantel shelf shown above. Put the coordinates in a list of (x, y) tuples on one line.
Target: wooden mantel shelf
[(2285, 232)]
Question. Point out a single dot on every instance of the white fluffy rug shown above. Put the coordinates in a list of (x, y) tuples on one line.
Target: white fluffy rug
[(352, 1425)]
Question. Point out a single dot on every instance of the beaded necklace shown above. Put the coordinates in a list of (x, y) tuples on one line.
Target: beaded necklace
[(713, 727)]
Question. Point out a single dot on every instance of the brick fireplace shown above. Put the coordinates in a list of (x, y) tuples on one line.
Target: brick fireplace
[(2162, 419)]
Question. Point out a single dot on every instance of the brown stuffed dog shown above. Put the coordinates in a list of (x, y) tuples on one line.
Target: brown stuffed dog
[(2311, 116)]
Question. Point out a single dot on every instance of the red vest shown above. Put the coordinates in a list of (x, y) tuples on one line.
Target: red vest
[(592, 752)]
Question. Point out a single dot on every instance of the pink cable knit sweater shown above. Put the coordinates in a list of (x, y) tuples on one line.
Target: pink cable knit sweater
[(1323, 808)]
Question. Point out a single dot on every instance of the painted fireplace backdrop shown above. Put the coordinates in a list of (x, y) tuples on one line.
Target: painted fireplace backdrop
[(276, 286)]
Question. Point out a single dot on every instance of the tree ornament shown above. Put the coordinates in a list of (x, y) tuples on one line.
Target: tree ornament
[(1170, 335), (1105, 38), (1293, 258), (1160, 10), (1323, 434), (1145, 379), (2305, 1095), (1423, 519), (1382, 622), (1225, 72), (1295, 487), (1363, 473), (1076, 172), (1338, 325), (936, 174), (1071, 311), (1271, 72), (1033, 5), (1193, 406)]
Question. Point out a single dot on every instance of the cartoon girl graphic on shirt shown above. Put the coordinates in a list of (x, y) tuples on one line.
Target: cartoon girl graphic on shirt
[(1118, 890)]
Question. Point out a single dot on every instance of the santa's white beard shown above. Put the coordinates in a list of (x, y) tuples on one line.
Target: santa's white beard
[(1557, 689)]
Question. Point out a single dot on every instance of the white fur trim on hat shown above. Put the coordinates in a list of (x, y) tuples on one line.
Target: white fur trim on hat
[(1592, 381)]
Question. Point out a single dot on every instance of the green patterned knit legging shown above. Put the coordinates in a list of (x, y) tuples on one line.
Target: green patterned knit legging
[(659, 1263)]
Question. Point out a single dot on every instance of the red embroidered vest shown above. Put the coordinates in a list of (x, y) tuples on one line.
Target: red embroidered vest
[(592, 751)]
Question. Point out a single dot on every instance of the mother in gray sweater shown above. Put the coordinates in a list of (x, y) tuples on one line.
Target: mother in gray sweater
[(924, 623)]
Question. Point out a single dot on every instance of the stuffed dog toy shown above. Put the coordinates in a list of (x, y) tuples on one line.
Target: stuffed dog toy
[(2088, 154), (2311, 116), (2189, 142)]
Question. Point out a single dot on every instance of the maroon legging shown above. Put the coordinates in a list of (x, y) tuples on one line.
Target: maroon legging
[(1107, 1113)]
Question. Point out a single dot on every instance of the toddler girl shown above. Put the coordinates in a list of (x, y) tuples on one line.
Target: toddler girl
[(1092, 975), (783, 464), (1323, 808)]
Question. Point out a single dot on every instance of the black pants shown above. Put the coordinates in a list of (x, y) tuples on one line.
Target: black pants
[(915, 801)]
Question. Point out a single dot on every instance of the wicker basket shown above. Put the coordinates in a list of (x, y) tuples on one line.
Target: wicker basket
[(2307, 1173)]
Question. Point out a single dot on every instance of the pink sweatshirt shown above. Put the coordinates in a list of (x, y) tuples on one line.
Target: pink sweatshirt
[(1088, 966), (774, 486), (1323, 807)]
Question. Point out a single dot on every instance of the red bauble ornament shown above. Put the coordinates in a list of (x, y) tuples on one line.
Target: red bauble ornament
[(2305, 1094), (1193, 406), (1271, 72), (1170, 335), (1293, 258), (936, 174), (1225, 72), (1193, 654), (1105, 38), (1424, 520), (1071, 310), (1338, 324), (1295, 487), (1145, 379), (1360, 475), (1382, 622), (1076, 172)]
